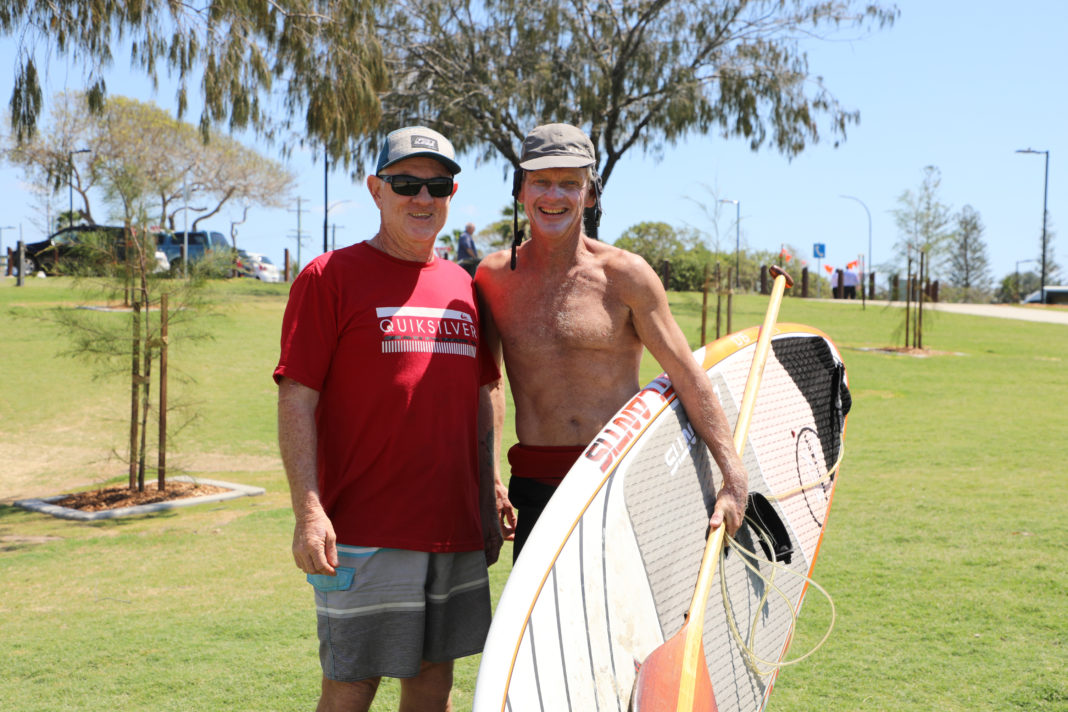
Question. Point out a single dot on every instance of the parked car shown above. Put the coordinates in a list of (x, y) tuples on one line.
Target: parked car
[(84, 248), (200, 243), (1051, 295), (258, 266)]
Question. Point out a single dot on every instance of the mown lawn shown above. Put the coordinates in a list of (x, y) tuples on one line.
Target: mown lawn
[(945, 550)]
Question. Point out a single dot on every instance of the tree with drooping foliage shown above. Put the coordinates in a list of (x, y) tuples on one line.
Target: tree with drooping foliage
[(632, 73), (318, 58)]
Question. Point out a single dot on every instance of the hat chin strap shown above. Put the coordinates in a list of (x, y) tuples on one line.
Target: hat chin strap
[(592, 216), (517, 234)]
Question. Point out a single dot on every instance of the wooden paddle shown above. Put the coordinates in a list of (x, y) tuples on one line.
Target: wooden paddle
[(674, 678)]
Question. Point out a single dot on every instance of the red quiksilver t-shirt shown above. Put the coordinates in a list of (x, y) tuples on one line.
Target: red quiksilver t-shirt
[(393, 349)]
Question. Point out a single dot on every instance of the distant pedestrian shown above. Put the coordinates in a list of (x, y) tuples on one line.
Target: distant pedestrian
[(466, 252), (850, 280)]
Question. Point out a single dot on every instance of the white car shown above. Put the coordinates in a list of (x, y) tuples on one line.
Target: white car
[(162, 263), (258, 266)]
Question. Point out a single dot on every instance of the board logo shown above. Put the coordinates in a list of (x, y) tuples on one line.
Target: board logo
[(680, 448), (619, 432)]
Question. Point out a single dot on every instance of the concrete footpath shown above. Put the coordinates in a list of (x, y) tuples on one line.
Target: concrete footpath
[(1048, 315), (1001, 311)]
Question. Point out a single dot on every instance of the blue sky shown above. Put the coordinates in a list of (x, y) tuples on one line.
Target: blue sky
[(957, 85)]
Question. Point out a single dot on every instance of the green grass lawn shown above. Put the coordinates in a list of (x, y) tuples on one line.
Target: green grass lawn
[(945, 550)]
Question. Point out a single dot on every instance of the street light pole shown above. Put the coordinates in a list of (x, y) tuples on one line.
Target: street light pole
[(1045, 196), (326, 180), (70, 183), (737, 236), (867, 266)]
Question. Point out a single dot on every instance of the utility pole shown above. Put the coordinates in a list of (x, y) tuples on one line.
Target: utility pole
[(300, 235), (326, 175)]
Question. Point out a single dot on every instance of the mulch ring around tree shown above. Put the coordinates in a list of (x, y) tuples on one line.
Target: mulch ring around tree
[(118, 496), (119, 501)]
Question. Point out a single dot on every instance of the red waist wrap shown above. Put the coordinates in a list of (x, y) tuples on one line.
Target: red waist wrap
[(545, 464)]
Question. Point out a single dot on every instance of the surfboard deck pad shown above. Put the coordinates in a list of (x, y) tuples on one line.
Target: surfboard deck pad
[(609, 570)]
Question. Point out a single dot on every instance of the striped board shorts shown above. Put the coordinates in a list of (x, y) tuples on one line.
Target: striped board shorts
[(387, 610)]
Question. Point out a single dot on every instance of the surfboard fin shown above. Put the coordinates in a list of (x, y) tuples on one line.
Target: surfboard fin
[(761, 516)]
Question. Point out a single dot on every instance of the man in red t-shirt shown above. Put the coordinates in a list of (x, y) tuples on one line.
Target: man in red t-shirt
[(382, 382)]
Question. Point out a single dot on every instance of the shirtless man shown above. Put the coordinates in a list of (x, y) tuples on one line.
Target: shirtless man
[(571, 316)]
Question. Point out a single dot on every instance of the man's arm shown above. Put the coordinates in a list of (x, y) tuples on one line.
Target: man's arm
[(490, 421), (314, 543), (658, 331), (491, 427)]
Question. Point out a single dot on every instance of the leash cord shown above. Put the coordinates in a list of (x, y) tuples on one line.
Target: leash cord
[(748, 647)]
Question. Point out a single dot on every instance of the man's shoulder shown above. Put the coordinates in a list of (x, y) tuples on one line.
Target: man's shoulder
[(620, 263), (493, 266)]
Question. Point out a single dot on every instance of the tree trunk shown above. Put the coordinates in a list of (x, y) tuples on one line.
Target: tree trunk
[(135, 379), (146, 384), (161, 471)]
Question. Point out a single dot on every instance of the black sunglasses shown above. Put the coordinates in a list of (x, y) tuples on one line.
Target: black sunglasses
[(438, 187)]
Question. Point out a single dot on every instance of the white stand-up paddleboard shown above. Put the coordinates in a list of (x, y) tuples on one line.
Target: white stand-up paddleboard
[(609, 570)]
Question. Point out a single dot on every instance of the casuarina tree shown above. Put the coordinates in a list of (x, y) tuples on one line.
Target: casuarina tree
[(633, 73)]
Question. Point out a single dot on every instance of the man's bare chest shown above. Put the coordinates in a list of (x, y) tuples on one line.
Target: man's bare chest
[(569, 316)]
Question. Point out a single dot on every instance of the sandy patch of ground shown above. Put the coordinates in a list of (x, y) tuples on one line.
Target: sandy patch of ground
[(31, 471), (908, 351)]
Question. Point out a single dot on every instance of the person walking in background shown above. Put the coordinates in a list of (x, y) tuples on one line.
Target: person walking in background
[(466, 249), (379, 400), (466, 252), (850, 280)]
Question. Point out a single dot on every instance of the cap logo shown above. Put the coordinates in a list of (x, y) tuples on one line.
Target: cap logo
[(424, 142)]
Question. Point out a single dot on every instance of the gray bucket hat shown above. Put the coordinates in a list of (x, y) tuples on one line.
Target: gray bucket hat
[(412, 141), (557, 146)]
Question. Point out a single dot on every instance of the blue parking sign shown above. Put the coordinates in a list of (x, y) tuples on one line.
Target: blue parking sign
[(819, 251)]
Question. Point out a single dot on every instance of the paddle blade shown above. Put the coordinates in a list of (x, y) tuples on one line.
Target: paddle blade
[(659, 686)]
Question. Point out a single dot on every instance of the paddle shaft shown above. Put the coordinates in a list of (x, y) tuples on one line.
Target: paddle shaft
[(695, 618)]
